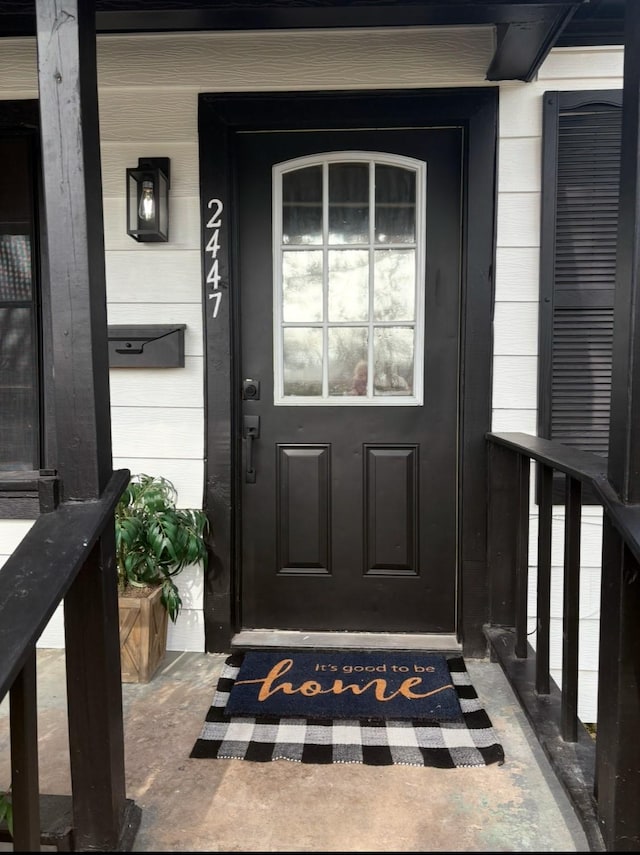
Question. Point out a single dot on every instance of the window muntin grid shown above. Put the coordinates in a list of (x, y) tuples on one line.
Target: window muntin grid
[(349, 270)]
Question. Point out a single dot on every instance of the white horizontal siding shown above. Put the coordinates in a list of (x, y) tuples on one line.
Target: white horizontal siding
[(516, 329), (519, 219), (156, 387), (589, 592), (188, 632), (605, 63), (517, 273), (590, 536), (519, 170), (160, 432), (507, 420), (174, 278), (11, 533), (157, 115), (514, 382)]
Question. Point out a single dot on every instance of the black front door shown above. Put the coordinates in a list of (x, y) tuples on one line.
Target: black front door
[(349, 277)]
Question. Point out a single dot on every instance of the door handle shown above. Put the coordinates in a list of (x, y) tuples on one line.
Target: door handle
[(250, 432)]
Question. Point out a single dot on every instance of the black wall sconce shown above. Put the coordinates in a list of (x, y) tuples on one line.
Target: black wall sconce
[(148, 200)]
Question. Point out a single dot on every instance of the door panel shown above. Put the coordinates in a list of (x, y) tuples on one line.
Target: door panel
[(351, 521)]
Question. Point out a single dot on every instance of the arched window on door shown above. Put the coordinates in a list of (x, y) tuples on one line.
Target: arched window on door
[(349, 271)]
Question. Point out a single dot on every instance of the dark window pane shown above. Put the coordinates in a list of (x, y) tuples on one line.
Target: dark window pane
[(395, 204), (18, 411), (19, 382), (348, 203), (15, 196), (302, 206)]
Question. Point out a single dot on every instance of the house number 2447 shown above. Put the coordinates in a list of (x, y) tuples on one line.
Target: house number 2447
[(214, 224)]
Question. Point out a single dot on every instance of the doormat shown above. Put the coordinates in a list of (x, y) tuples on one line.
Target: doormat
[(471, 741), (345, 684)]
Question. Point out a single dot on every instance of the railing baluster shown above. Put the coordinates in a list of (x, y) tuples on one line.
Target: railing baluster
[(23, 718), (571, 611), (502, 533), (522, 557), (543, 608), (617, 787)]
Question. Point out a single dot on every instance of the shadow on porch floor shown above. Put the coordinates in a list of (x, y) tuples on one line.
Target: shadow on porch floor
[(237, 806)]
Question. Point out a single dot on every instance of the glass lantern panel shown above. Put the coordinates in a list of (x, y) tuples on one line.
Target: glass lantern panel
[(163, 204), (134, 201)]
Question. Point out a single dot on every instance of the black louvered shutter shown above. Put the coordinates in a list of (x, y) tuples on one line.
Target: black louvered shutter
[(578, 267)]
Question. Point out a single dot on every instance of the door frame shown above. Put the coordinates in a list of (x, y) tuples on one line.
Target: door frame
[(220, 118)]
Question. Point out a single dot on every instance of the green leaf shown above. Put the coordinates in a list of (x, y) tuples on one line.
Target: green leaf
[(6, 811)]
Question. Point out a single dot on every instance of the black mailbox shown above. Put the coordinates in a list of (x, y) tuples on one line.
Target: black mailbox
[(146, 346)]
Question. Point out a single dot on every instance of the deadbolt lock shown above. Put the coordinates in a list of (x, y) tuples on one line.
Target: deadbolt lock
[(250, 390)]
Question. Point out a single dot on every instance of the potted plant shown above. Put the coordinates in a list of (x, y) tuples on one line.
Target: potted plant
[(155, 541)]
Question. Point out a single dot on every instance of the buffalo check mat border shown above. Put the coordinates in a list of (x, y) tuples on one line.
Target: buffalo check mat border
[(446, 745)]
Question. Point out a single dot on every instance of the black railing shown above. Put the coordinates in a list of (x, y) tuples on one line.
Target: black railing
[(601, 775), (46, 567)]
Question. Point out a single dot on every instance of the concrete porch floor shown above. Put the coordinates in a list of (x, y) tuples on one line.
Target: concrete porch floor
[(193, 805)]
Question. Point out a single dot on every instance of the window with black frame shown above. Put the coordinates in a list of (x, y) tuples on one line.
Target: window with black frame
[(19, 312), (580, 189)]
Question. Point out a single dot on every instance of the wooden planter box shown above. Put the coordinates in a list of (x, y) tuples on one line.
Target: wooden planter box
[(143, 636)]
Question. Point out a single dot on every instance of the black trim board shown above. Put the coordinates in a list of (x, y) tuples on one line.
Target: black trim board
[(221, 117)]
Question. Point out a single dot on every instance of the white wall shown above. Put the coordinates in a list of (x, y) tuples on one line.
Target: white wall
[(148, 88)]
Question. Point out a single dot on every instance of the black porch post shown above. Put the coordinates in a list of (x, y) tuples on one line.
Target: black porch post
[(624, 436), (67, 72), (618, 747)]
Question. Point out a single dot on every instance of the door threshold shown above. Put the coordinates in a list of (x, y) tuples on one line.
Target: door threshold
[(260, 639)]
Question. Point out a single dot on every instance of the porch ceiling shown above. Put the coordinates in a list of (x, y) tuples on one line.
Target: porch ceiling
[(526, 30)]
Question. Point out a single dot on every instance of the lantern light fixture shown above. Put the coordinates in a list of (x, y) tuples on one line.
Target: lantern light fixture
[(148, 200)]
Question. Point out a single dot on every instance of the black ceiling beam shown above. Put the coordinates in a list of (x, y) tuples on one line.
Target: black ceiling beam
[(607, 31), (158, 17), (598, 22), (523, 46)]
